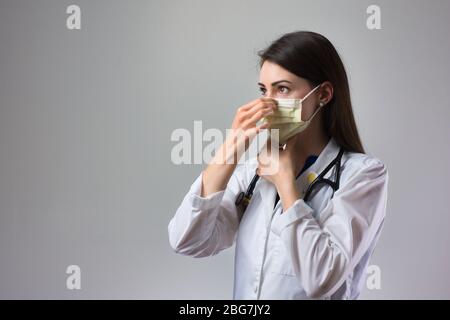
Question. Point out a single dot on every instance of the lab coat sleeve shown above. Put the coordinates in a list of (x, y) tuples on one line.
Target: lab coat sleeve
[(324, 252), (204, 226)]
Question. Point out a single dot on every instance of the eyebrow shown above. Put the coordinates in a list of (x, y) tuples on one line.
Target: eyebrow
[(275, 83)]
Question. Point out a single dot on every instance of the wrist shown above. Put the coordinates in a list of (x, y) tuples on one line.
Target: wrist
[(289, 193), (287, 185), (226, 153), (286, 180)]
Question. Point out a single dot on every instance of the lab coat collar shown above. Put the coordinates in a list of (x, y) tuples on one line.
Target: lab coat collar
[(268, 190)]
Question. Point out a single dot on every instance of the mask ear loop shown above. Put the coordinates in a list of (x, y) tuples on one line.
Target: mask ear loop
[(303, 99), (317, 110), (310, 93)]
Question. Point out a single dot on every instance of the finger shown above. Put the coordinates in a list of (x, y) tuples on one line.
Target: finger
[(262, 127), (258, 112), (258, 116), (269, 143), (266, 149), (251, 104), (250, 133), (269, 100), (260, 105)]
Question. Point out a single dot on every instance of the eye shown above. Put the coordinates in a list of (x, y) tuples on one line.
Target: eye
[(263, 91), (283, 89)]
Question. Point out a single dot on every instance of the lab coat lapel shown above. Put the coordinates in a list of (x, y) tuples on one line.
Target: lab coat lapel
[(267, 192), (325, 157)]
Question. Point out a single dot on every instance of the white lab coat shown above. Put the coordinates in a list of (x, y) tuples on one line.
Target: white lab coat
[(319, 249)]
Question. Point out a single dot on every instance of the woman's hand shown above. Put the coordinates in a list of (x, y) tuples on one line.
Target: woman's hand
[(244, 123), (249, 114), (217, 174), (244, 128), (280, 168)]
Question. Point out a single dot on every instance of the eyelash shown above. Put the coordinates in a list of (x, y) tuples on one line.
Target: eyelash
[(280, 87)]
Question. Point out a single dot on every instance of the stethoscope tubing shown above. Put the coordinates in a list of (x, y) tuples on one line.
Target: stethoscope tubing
[(316, 182)]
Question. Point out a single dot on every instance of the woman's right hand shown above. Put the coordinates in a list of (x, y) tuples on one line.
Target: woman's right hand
[(219, 171), (244, 123)]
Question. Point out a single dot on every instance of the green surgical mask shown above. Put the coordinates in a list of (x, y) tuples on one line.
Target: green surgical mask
[(288, 117)]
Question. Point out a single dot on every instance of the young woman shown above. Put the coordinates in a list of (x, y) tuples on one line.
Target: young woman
[(308, 229)]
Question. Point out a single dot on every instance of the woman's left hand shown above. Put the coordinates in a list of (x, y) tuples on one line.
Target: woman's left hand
[(280, 169), (277, 166)]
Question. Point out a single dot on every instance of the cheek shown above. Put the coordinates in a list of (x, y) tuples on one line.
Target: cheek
[(307, 110)]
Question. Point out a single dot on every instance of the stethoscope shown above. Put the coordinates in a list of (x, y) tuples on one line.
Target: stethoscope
[(243, 198)]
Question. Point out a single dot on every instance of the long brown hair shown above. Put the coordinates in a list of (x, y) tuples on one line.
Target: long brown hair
[(311, 56)]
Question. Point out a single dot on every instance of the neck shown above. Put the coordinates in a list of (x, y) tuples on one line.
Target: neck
[(310, 142)]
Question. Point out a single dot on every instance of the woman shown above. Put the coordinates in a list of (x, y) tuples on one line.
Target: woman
[(287, 246)]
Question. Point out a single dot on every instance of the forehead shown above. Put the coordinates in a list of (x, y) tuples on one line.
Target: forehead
[(272, 72)]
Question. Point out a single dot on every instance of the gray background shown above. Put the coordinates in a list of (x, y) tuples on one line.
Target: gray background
[(86, 116)]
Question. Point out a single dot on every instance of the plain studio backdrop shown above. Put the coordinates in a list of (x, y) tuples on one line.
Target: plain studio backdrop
[(86, 117)]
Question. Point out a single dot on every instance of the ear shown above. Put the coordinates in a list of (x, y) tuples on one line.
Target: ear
[(326, 92)]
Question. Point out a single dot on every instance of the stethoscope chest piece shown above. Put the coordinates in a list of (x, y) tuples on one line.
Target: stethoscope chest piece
[(243, 198)]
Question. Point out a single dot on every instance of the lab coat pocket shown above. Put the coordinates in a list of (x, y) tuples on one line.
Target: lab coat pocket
[(282, 262)]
